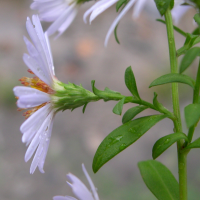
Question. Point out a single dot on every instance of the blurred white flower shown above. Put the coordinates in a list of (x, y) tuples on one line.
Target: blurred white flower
[(179, 10), (79, 189), (101, 5), (60, 12), (37, 128)]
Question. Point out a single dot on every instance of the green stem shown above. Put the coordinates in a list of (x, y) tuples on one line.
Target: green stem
[(182, 161)]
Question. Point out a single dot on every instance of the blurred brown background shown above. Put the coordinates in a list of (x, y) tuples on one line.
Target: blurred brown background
[(79, 57)]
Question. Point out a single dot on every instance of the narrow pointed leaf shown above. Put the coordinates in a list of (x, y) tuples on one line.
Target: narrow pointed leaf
[(196, 31), (165, 142), (190, 41), (118, 107), (107, 94), (122, 137), (172, 78), (159, 180), (121, 3), (131, 83), (197, 18), (115, 33), (188, 58), (160, 107), (162, 6), (132, 112), (192, 114), (195, 144)]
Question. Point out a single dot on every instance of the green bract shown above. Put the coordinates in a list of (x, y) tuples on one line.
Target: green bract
[(71, 96)]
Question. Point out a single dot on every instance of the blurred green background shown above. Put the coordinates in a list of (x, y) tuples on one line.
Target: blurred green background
[(79, 57)]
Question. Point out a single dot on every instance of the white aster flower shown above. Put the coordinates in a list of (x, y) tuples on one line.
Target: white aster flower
[(44, 96), (60, 12), (101, 5), (79, 189), (37, 128)]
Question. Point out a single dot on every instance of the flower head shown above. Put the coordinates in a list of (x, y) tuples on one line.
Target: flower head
[(79, 189), (44, 95), (60, 12), (36, 95)]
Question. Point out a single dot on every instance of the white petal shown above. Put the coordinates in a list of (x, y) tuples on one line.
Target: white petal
[(35, 118), (78, 188), (37, 36), (24, 90), (94, 192), (138, 7), (101, 8), (96, 5), (32, 100), (40, 135), (67, 22), (112, 27), (42, 38), (47, 141), (34, 66), (63, 198), (58, 22), (178, 12)]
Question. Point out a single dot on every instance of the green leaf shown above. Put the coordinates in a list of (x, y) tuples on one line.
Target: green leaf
[(171, 4), (189, 58), (175, 28), (196, 31), (122, 137), (162, 5), (121, 3), (189, 42), (172, 78), (131, 83), (165, 142), (197, 18), (195, 144), (107, 94), (115, 33), (160, 107), (111, 91), (132, 112), (159, 180), (192, 114), (84, 107), (118, 107)]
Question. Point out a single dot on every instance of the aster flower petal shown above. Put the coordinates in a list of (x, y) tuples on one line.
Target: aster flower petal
[(101, 8), (178, 12), (37, 36), (60, 12), (93, 188), (67, 23), (41, 133), (34, 121), (32, 100), (79, 189), (42, 149), (60, 20), (89, 11), (138, 8), (64, 198), (116, 21)]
